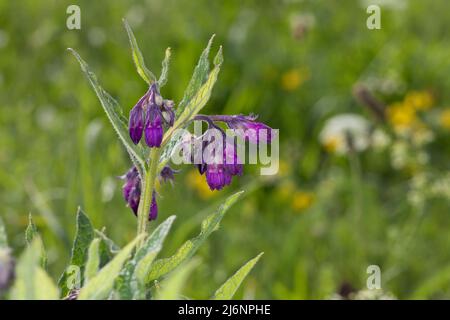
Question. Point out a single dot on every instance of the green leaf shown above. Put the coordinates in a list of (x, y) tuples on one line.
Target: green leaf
[(138, 59), (199, 77), (201, 97), (228, 289), (31, 233), (100, 286), (203, 94), (32, 282), (163, 266), (3, 236), (129, 283), (171, 287), (165, 68), (107, 248), (93, 260), (115, 115), (84, 234)]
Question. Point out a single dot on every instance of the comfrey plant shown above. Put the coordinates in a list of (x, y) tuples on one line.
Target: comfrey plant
[(154, 133)]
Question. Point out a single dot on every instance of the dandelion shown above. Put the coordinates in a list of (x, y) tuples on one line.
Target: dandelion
[(339, 129), (419, 100), (401, 116)]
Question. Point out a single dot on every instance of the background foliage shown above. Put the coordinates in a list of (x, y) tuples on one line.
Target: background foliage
[(321, 221)]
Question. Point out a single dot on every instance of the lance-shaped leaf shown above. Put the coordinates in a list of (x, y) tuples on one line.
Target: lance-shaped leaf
[(138, 59), (130, 282), (32, 282), (84, 234), (228, 289), (107, 248), (163, 266), (31, 233), (114, 113), (198, 100), (100, 286), (93, 260), (170, 288), (165, 68), (199, 77)]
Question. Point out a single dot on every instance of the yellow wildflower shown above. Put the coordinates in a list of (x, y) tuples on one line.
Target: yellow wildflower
[(444, 119), (198, 183), (294, 78), (401, 116), (419, 100), (302, 200)]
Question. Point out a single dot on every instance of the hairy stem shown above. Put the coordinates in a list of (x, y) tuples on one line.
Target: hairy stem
[(147, 190)]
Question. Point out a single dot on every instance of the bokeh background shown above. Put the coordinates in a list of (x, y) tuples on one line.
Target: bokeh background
[(329, 213)]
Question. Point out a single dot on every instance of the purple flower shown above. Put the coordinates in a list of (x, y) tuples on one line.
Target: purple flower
[(132, 189), (220, 173), (217, 176), (136, 121), (167, 174), (149, 115), (132, 193), (252, 130), (153, 129)]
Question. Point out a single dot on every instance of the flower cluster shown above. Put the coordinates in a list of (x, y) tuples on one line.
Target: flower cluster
[(132, 193), (220, 163), (147, 117), (219, 160)]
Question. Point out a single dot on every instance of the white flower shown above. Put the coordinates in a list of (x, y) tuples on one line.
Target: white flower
[(338, 129)]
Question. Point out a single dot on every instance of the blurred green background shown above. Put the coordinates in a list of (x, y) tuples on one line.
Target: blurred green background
[(324, 218)]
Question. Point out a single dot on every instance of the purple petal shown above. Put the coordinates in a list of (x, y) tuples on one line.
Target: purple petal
[(136, 123), (153, 129)]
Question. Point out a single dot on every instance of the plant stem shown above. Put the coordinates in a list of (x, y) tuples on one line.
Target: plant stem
[(148, 187)]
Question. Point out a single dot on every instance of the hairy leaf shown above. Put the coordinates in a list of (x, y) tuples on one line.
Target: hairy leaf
[(228, 289), (171, 287), (198, 78), (196, 103), (32, 282), (31, 233), (163, 266), (129, 283), (93, 260), (138, 59), (100, 286), (84, 234), (165, 68), (114, 113)]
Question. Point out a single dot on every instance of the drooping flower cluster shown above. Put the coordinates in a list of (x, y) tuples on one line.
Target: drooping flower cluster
[(132, 193), (147, 117), (219, 160)]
